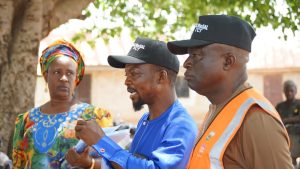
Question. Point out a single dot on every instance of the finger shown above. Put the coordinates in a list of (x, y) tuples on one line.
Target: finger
[(77, 135), (78, 128), (90, 148), (68, 157), (73, 158), (74, 155), (86, 151), (72, 151), (81, 122), (90, 122), (94, 124)]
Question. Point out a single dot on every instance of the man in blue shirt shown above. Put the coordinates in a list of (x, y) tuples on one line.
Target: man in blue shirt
[(166, 134)]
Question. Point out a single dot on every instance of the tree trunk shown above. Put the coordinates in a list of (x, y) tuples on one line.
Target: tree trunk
[(23, 23)]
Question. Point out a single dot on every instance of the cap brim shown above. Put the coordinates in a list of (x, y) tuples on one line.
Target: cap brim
[(121, 61), (180, 47)]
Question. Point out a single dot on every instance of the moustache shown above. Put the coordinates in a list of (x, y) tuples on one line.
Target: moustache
[(130, 90)]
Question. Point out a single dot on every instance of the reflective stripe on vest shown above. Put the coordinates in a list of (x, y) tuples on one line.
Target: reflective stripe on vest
[(208, 152)]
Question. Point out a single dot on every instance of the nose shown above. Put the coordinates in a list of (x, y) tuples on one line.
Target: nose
[(64, 78), (127, 81), (291, 93), (187, 63)]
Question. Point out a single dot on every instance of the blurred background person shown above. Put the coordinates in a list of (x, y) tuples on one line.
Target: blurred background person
[(289, 111), (44, 134)]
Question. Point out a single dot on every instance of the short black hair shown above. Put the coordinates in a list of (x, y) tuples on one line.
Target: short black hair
[(172, 75), (289, 83)]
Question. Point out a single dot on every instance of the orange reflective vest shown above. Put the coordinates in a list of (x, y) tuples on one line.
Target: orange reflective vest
[(209, 150)]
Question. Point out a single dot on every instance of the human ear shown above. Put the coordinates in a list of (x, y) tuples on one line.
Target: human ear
[(229, 61), (163, 76)]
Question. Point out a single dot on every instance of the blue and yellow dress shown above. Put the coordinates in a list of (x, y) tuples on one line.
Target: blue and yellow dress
[(41, 140)]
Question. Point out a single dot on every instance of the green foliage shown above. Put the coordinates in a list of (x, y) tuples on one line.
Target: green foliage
[(161, 19)]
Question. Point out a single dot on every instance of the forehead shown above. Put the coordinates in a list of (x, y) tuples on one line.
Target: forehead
[(290, 87), (63, 61)]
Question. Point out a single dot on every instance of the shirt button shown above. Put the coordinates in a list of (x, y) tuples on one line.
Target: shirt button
[(102, 150), (144, 123)]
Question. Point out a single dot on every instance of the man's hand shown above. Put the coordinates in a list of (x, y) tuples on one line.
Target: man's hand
[(88, 131), (82, 160)]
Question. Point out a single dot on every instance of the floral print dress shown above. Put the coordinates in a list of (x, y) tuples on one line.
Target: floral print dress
[(42, 140)]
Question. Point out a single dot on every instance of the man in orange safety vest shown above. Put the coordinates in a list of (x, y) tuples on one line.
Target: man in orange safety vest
[(242, 130)]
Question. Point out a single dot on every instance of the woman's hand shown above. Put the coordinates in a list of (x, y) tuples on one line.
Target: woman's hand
[(82, 160)]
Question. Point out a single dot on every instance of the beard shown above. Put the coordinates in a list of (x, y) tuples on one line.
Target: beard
[(138, 105)]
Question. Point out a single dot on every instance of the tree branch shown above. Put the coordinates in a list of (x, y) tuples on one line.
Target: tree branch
[(60, 12)]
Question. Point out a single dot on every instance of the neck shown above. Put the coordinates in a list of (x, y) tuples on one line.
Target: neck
[(161, 104), (291, 100), (55, 106)]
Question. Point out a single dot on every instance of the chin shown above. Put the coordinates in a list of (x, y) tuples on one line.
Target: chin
[(197, 89), (64, 96), (138, 105), (191, 86)]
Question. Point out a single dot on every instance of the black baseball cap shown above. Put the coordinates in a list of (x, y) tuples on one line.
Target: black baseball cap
[(223, 29), (148, 51)]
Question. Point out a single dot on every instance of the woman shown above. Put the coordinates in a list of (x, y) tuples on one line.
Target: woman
[(44, 134)]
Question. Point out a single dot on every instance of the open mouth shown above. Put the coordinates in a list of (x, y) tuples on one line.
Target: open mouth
[(132, 91)]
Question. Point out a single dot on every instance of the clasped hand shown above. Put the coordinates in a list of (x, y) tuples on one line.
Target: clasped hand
[(88, 131)]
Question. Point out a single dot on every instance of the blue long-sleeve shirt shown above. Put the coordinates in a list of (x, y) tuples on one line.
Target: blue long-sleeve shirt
[(165, 142)]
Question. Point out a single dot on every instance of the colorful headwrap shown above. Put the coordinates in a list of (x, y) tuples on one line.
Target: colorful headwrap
[(62, 48)]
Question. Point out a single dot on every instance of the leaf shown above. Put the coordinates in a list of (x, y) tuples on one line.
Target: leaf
[(162, 18)]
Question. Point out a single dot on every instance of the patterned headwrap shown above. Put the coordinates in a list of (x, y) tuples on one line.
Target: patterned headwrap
[(62, 48)]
